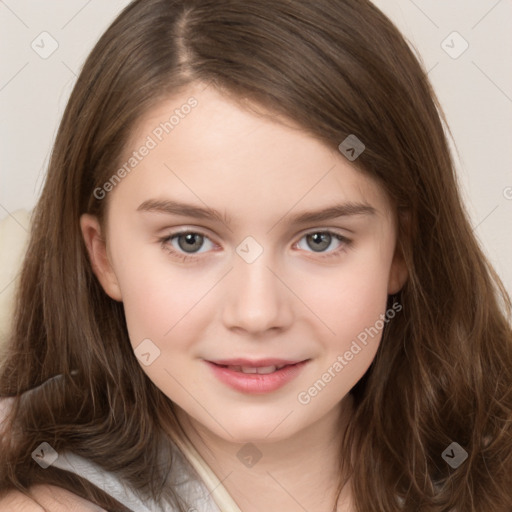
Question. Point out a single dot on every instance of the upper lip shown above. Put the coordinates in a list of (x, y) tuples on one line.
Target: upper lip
[(259, 363)]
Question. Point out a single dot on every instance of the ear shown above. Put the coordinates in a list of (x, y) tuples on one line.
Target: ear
[(97, 249), (398, 273)]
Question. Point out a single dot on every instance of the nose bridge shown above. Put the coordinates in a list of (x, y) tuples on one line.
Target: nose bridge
[(256, 300)]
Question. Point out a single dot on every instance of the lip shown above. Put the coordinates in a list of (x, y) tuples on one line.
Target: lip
[(253, 383)]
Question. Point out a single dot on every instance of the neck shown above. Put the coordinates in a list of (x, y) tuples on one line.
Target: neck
[(298, 473)]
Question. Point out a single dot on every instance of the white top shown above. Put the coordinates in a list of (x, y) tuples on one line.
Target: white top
[(206, 494), (193, 491)]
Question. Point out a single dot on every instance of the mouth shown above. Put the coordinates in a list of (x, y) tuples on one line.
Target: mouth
[(260, 366), (260, 370), (256, 377)]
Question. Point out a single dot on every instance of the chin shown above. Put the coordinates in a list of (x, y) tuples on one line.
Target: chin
[(257, 429)]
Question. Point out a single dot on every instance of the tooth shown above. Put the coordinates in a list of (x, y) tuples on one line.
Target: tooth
[(266, 369), (248, 369), (263, 370)]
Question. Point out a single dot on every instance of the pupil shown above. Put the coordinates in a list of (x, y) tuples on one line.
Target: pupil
[(322, 239), (191, 241)]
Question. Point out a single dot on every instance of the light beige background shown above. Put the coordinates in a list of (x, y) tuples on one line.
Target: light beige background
[(475, 90)]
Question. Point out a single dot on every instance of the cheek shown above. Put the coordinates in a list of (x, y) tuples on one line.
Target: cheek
[(354, 310), (161, 299), (353, 297)]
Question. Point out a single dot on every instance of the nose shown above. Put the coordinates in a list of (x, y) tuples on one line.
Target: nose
[(256, 300)]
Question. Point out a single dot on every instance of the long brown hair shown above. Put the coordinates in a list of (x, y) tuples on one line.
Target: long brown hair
[(443, 371)]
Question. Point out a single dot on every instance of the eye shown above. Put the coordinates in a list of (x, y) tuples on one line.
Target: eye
[(319, 241), (186, 244)]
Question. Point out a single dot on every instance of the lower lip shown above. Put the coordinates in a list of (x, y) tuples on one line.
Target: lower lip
[(255, 383)]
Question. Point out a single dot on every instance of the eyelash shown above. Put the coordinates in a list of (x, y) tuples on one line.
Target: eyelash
[(191, 257)]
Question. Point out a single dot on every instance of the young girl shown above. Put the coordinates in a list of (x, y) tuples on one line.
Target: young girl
[(336, 341)]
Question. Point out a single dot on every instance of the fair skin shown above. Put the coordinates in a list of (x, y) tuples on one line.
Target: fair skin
[(292, 302), (44, 498)]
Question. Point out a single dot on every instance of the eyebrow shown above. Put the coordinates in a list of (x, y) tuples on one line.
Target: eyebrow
[(188, 210)]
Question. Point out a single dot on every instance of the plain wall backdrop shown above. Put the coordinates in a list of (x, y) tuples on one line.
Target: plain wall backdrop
[(465, 46)]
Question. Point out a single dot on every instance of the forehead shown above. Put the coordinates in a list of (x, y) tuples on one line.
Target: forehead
[(204, 146)]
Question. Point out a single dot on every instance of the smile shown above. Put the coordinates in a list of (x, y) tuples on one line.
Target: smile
[(255, 379), (261, 370)]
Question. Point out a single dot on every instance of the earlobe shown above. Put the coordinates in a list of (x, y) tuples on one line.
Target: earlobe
[(97, 250)]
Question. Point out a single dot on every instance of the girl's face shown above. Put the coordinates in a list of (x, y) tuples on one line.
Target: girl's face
[(232, 239)]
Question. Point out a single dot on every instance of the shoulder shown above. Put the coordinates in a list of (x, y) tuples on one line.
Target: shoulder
[(46, 498), (15, 500)]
